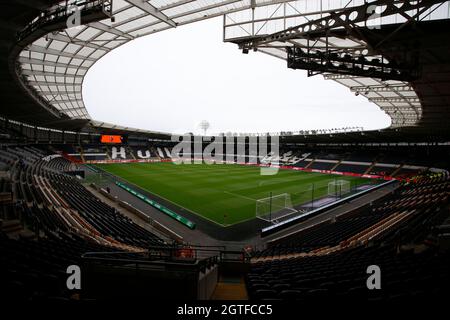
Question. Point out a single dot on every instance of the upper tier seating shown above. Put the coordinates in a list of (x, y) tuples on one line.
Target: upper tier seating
[(363, 156), (322, 165), (382, 171), (302, 164), (344, 167), (406, 173)]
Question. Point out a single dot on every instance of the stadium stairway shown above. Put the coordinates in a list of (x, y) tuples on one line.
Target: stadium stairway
[(310, 164), (336, 165), (107, 153), (370, 168), (230, 288), (81, 151), (11, 226), (397, 170), (130, 151)]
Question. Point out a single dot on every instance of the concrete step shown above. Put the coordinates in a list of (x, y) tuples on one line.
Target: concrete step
[(230, 288), (10, 226)]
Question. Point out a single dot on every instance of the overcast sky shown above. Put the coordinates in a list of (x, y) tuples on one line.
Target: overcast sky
[(172, 80)]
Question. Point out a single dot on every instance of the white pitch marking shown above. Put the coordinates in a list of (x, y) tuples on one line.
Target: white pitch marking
[(240, 196)]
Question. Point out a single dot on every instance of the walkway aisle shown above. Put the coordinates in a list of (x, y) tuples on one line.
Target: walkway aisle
[(230, 288)]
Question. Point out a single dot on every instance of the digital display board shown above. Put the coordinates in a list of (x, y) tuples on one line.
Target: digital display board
[(111, 139)]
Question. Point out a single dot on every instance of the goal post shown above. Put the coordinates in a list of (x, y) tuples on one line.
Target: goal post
[(274, 207), (337, 188)]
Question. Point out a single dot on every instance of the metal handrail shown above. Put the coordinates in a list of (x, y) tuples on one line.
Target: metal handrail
[(169, 258), (64, 12), (195, 265)]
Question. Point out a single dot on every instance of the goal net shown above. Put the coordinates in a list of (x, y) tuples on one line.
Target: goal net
[(338, 188), (275, 207)]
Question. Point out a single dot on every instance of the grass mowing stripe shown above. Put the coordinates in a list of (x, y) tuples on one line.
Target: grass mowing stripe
[(221, 193)]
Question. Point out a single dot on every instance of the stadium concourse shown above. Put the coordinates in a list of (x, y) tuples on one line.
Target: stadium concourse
[(92, 211)]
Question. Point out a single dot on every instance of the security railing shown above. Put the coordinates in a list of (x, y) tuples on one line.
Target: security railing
[(63, 12)]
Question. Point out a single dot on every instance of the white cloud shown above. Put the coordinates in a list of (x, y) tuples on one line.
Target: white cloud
[(172, 80)]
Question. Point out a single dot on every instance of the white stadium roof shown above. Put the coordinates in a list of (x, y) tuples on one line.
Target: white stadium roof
[(55, 65)]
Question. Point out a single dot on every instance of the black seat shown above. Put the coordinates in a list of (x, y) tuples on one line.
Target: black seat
[(290, 294), (265, 294)]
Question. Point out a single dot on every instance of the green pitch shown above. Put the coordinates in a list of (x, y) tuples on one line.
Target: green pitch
[(224, 194)]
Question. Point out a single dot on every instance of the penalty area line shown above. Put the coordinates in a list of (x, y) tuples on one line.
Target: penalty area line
[(240, 196)]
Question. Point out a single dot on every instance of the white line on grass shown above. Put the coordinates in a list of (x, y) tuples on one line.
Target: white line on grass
[(240, 196)]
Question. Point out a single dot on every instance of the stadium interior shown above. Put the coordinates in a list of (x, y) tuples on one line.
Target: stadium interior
[(75, 191)]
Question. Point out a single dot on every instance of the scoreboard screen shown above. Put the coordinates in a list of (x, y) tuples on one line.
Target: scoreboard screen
[(111, 139)]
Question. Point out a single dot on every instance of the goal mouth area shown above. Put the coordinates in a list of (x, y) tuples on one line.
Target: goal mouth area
[(278, 216), (275, 208), (338, 188)]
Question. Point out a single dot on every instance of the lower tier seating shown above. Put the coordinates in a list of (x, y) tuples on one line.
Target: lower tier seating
[(330, 260)]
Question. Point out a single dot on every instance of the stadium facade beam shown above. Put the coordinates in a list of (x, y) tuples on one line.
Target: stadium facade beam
[(67, 101), (275, 18), (332, 76), (49, 63), (205, 8), (151, 10), (395, 99), (103, 27), (346, 18), (186, 13), (382, 88), (67, 39), (175, 4), (336, 61), (72, 109), (59, 93), (50, 74), (39, 49), (130, 19), (52, 83)]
